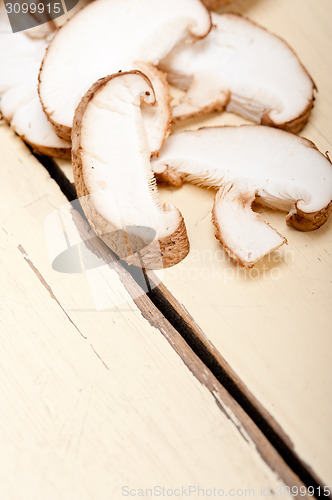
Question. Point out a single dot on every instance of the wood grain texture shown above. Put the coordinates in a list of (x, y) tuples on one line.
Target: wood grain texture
[(270, 327), (96, 401)]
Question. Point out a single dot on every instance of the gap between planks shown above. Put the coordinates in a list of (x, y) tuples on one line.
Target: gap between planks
[(194, 336), (250, 433), (178, 317)]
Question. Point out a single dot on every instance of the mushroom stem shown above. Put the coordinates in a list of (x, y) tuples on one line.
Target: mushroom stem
[(281, 170), (242, 232)]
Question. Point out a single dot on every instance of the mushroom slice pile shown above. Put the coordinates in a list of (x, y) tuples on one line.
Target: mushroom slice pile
[(106, 37), (113, 175), (20, 60), (244, 69), (282, 170)]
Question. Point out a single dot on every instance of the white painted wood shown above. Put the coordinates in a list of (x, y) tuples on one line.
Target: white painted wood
[(272, 324), (273, 327), (92, 402)]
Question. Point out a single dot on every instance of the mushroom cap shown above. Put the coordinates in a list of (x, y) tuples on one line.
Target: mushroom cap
[(20, 60), (242, 68), (113, 175), (282, 170), (106, 37)]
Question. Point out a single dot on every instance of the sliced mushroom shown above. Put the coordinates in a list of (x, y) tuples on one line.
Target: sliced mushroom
[(113, 175), (242, 68), (281, 170), (106, 37), (20, 60), (30, 122)]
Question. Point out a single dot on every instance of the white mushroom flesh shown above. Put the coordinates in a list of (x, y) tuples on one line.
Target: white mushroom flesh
[(244, 234), (157, 117)]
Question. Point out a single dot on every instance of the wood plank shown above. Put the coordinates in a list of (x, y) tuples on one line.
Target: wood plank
[(268, 327), (93, 402), (271, 325)]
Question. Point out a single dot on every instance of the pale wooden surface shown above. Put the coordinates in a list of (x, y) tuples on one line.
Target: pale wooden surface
[(272, 325), (79, 411), (95, 401)]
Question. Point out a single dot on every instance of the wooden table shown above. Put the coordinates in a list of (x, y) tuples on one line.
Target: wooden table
[(97, 404)]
